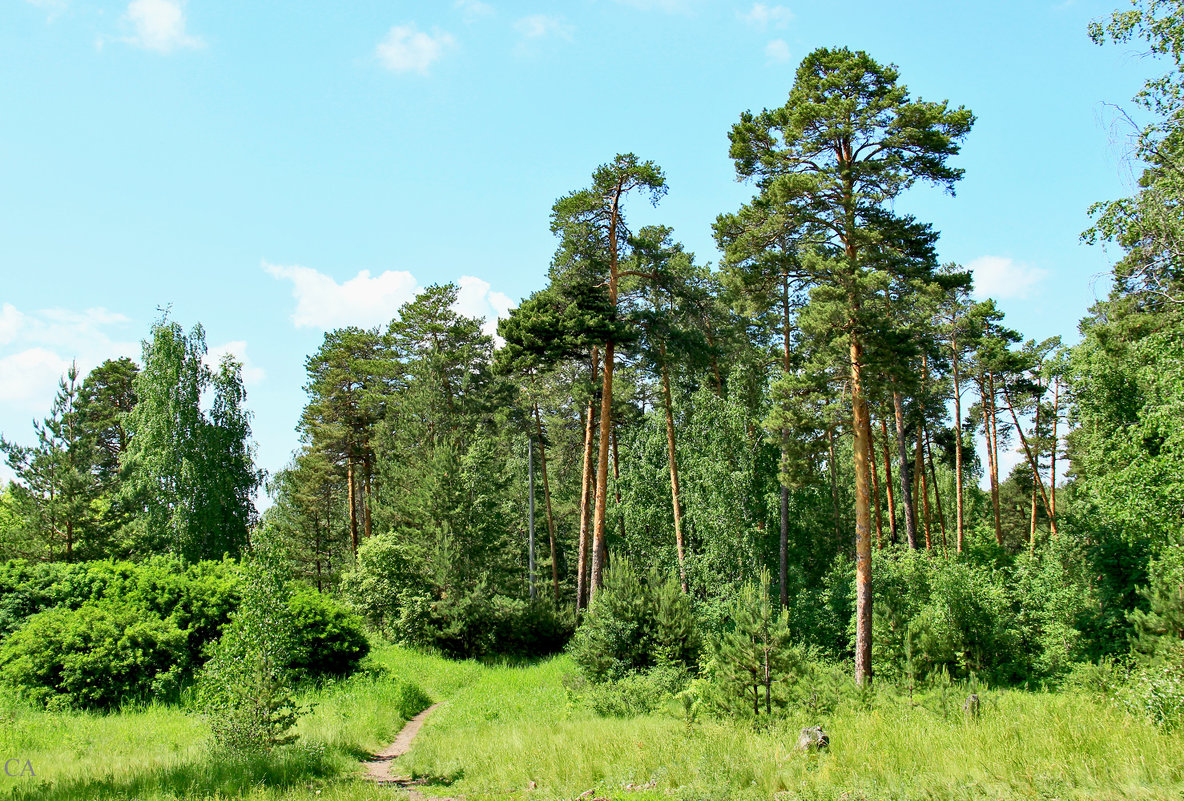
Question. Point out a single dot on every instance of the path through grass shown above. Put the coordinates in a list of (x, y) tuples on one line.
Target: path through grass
[(505, 727)]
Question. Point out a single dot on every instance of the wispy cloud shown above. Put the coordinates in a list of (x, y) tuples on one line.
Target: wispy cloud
[(541, 26), (159, 25), (1004, 278), (367, 301), (37, 347), (252, 374), (473, 10), (363, 300), (52, 8), (669, 6), (777, 51), (764, 16), (408, 49)]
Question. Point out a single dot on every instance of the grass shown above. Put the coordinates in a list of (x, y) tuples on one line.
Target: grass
[(506, 726)]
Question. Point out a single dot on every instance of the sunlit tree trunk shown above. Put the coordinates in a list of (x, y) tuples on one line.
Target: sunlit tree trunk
[(672, 458), (893, 537), (538, 422), (906, 482), (586, 493)]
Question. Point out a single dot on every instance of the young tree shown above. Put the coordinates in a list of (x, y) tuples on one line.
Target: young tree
[(189, 480), (592, 226), (832, 159), (55, 488)]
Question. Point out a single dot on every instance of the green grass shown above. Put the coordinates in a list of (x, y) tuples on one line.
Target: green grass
[(506, 726)]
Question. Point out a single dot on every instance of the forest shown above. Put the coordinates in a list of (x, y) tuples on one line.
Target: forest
[(670, 500)]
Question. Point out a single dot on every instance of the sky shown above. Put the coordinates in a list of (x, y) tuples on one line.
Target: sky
[(273, 170)]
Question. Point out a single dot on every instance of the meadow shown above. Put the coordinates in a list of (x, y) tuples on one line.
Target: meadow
[(519, 731)]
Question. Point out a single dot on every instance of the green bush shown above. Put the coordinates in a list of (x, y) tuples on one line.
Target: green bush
[(96, 656), (328, 639), (1155, 691), (636, 623), (636, 694), (932, 615), (477, 624)]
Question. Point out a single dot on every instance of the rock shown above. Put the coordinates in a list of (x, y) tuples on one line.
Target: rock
[(971, 707), (813, 739)]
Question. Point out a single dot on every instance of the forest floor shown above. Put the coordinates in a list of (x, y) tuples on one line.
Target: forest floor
[(515, 732)]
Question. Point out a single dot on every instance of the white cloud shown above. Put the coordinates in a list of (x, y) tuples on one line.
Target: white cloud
[(252, 374), (473, 10), (11, 322), (159, 25), (669, 6), (475, 298), (30, 374), (777, 51), (1004, 278), (407, 49), (367, 301), (539, 26), (37, 347), (363, 300), (54, 8), (763, 16)]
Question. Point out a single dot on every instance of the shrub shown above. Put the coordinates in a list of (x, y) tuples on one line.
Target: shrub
[(1156, 691), (754, 663), (635, 624), (636, 694), (465, 626), (246, 687), (328, 640), (96, 656)]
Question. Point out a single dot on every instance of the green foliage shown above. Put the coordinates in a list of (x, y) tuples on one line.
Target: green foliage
[(198, 598), (634, 694), (1159, 629), (636, 622), (478, 624), (754, 661), (934, 615), (96, 656), (190, 479), (246, 687), (328, 640)]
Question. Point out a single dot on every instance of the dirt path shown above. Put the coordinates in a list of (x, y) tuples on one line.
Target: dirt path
[(378, 769)]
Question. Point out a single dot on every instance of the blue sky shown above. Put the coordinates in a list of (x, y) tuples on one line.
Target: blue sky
[(274, 169)]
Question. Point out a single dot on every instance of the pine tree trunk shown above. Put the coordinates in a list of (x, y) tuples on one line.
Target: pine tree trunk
[(784, 567), (863, 539), (1052, 483), (366, 497), (958, 445), (672, 458), (992, 422), (834, 484), (353, 508), (941, 515), (871, 451), (906, 481), (601, 509), (1032, 523), (922, 489), (893, 537), (586, 494), (538, 422), (1028, 452)]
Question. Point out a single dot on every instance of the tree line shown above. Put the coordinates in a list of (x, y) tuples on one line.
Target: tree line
[(812, 408)]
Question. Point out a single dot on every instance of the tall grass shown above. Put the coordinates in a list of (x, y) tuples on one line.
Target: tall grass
[(505, 726), (164, 752), (517, 726)]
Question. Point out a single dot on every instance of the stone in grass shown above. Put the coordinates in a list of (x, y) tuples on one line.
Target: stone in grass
[(813, 739), (971, 707)]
